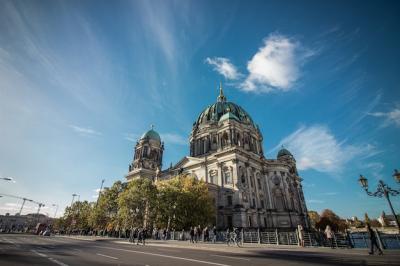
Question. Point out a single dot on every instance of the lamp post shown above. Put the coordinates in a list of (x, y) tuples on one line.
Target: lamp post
[(55, 213), (382, 190)]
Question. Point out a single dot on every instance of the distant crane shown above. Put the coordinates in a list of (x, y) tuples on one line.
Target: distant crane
[(40, 205)]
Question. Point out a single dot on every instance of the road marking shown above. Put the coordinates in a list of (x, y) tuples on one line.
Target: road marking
[(166, 256), (106, 256), (58, 262), (50, 259), (38, 253), (11, 242), (229, 257)]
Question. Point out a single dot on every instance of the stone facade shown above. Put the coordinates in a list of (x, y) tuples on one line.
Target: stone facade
[(226, 152)]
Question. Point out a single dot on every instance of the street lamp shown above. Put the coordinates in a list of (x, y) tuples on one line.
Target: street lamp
[(382, 190), (55, 213)]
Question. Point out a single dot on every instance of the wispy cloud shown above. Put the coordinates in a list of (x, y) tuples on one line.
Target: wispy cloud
[(131, 137), (224, 67), (85, 131), (276, 65), (376, 169), (315, 147), (315, 201), (389, 118), (172, 138)]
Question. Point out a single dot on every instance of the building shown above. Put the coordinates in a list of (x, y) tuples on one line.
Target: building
[(22, 222), (226, 152)]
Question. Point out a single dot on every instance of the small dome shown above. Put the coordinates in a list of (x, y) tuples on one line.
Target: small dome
[(151, 134), (284, 152), (228, 116)]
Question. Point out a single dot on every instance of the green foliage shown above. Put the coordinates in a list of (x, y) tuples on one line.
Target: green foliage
[(105, 212), (77, 215), (314, 218), (184, 201), (137, 204), (179, 203)]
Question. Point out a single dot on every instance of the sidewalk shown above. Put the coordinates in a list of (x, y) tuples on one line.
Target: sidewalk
[(246, 248)]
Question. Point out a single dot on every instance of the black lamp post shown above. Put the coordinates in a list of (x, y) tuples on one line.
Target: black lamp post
[(383, 190)]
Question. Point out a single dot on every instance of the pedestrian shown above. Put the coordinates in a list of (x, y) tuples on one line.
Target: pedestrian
[(191, 235), (373, 241), (196, 233), (329, 235), (214, 234), (144, 235), (205, 234), (228, 235), (199, 233), (300, 231)]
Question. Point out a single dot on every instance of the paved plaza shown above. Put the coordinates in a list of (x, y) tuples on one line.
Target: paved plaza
[(18, 249)]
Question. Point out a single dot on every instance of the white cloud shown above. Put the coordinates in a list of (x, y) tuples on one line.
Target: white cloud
[(172, 138), (85, 131), (131, 137), (224, 67), (315, 201), (276, 65), (315, 147), (392, 117)]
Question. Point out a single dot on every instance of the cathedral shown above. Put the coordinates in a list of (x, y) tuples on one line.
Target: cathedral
[(226, 152)]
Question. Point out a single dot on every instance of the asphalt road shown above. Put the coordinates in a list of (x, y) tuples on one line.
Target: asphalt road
[(39, 250)]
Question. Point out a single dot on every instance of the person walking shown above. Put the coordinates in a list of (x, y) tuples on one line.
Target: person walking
[(214, 234), (373, 242), (195, 233), (191, 235), (300, 231), (329, 235)]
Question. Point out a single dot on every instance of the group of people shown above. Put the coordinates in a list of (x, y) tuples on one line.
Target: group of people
[(139, 234), (163, 235), (196, 234), (371, 234)]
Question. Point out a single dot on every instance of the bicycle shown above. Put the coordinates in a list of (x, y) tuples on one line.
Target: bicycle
[(235, 239)]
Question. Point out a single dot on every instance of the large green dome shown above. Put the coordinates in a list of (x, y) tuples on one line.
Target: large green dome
[(151, 134), (214, 112), (284, 152)]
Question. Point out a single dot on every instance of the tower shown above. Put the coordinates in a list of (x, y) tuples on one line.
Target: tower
[(147, 157)]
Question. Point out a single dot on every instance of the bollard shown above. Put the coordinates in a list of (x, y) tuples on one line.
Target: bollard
[(258, 235), (277, 237)]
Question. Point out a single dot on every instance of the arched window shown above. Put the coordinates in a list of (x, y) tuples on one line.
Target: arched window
[(227, 176), (213, 177)]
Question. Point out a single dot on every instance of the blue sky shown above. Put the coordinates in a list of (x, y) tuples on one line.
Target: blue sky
[(81, 81)]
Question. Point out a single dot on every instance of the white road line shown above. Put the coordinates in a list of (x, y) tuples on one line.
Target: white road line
[(38, 253), (50, 259), (166, 256), (11, 242), (58, 262), (106, 256), (229, 257)]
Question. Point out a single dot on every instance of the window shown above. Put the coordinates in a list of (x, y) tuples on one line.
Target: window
[(145, 150), (262, 204), (252, 181), (259, 183), (213, 177), (227, 176), (249, 221), (254, 202), (229, 200), (265, 222), (229, 221)]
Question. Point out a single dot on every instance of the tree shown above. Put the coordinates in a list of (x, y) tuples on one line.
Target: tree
[(184, 201), (314, 218), (328, 217), (137, 204), (77, 215), (105, 212)]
